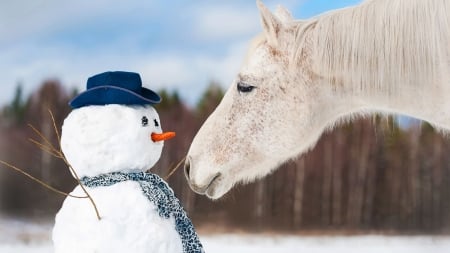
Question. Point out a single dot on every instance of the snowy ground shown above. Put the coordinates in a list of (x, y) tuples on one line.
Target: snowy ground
[(17, 236)]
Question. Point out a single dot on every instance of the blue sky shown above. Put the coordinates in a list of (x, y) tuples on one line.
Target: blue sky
[(177, 44)]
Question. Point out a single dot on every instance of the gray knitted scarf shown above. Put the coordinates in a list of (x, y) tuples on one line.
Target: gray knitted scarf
[(160, 194)]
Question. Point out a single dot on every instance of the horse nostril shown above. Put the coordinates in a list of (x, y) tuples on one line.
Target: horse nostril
[(187, 168)]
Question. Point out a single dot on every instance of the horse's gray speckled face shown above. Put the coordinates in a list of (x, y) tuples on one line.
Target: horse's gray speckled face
[(250, 132)]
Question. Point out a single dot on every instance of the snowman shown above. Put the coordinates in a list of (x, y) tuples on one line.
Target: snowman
[(111, 138)]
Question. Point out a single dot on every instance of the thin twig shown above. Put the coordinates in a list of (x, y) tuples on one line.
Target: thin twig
[(45, 148), (83, 188), (74, 173), (55, 128), (40, 182), (175, 168), (50, 148), (42, 136)]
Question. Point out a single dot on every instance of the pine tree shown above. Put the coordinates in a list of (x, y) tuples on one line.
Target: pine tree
[(15, 111)]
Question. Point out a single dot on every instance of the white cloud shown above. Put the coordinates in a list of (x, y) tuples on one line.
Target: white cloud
[(22, 19), (218, 22)]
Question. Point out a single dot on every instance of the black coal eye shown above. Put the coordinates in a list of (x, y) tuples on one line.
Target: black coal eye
[(156, 123), (144, 121), (244, 88)]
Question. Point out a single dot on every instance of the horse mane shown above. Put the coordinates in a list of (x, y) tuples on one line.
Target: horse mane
[(379, 44)]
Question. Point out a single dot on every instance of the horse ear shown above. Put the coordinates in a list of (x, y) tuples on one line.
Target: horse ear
[(283, 14), (272, 26)]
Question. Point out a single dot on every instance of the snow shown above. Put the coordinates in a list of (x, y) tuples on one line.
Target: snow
[(325, 244), (22, 236)]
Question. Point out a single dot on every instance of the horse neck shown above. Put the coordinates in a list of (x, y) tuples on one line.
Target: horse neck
[(385, 60)]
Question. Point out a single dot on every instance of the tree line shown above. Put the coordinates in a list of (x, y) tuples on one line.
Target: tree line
[(368, 175)]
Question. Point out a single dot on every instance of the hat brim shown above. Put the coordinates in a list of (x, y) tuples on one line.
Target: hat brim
[(104, 95)]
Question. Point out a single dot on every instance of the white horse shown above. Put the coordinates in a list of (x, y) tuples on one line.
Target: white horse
[(302, 77)]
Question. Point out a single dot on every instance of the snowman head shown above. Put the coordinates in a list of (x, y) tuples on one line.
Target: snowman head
[(111, 138), (113, 126)]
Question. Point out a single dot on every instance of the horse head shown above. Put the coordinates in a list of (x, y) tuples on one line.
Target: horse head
[(265, 118), (300, 77)]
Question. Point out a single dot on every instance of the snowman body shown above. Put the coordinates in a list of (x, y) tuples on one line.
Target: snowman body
[(130, 223), (105, 139)]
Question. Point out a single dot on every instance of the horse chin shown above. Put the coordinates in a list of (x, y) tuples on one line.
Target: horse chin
[(219, 187)]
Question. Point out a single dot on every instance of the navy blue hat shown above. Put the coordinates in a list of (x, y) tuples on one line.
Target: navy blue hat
[(118, 87)]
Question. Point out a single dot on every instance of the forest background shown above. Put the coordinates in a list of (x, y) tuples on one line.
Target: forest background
[(369, 175)]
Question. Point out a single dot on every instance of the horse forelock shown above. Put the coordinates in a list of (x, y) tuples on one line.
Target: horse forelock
[(254, 44)]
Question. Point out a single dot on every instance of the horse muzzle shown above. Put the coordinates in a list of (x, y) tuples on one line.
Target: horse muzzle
[(201, 185)]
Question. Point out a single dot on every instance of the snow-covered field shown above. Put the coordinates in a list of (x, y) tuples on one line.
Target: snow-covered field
[(18, 236)]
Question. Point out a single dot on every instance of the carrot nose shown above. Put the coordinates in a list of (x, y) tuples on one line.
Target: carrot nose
[(162, 136)]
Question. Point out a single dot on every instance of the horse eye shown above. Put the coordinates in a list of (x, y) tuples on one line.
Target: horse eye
[(144, 121), (245, 88), (156, 123)]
